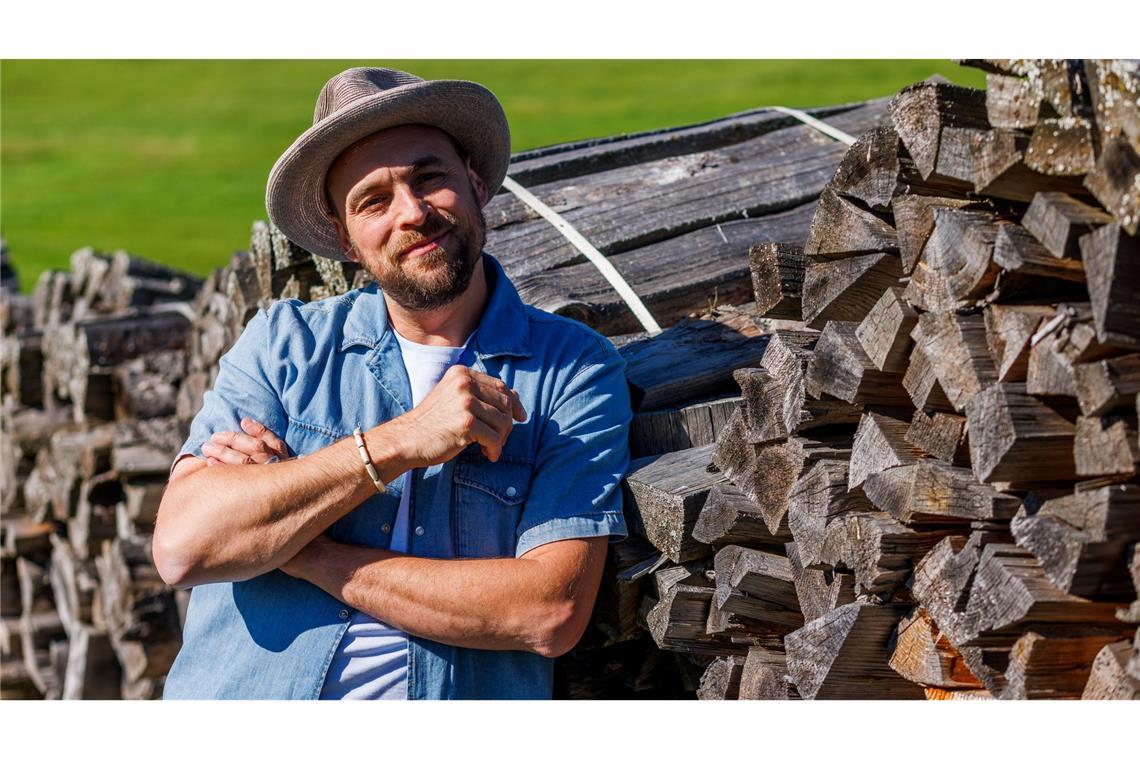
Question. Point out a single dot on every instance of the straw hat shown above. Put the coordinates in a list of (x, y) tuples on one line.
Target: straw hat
[(359, 102)]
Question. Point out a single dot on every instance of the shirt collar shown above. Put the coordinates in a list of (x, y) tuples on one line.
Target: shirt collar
[(503, 329)]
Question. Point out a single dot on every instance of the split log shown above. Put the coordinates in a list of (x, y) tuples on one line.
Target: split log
[(1107, 446), (767, 473), (841, 228), (1062, 147), (878, 169), (664, 496), (678, 621), (786, 361), (1050, 373), (730, 517), (1081, 541), (931, 493), (1009, 330), (721, 679), (1112, 265), (1108, 677), (846, 289), (914, 220), (757, 585), (841, 368), (957, 267), (141, 613), (777, 280), (1113, 182), (1107, 385), (1013, 436), (940, 435), (920, 380), (955, 345), (694, 358), (844, 654), (1011, 594), (820, 589), (885, 332), (1029, 273), (40, 628), (683, 427), (820, 497), (879, 549), (880, 444), (922, 111), (923, 655), (1053, 665), (92, 672), (1059, 221), (1012, 101), (765, 676)]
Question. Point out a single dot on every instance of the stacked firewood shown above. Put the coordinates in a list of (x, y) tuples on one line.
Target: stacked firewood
[(930, 489), (92, 364)]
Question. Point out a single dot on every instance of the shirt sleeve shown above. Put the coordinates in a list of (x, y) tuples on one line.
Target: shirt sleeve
[(583, 455), (244, 388)]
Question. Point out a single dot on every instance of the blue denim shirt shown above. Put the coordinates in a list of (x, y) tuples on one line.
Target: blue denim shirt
[(311, 373)]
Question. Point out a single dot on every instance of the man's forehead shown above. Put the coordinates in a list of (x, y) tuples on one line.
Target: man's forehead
[(396, 144)]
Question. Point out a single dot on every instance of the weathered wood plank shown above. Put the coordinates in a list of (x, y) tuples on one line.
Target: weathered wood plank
[(1015, 437)]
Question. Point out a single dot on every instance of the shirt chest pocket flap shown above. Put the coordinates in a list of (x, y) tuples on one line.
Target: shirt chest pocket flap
[(489, 498)]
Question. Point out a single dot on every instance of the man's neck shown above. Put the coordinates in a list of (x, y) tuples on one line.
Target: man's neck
[(448, 325)]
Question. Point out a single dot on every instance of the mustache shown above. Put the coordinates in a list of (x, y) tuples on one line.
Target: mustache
[(435, 225)]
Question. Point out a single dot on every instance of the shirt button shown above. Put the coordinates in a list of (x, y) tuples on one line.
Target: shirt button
[(343, 614), (386, 528), (511, 491), (419, 530)]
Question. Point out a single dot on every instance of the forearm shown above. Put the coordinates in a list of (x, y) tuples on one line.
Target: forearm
[(502, 603), (232, 522)]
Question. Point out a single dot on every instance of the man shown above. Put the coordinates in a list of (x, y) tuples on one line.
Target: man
[(497, 434)]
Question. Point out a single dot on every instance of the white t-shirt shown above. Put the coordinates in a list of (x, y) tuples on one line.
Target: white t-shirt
[(371, 661)]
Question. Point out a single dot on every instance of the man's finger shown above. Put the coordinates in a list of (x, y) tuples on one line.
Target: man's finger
[(226, 455), (494, 418), (517, 410), (258, 430), (488, 439), (246, 444)]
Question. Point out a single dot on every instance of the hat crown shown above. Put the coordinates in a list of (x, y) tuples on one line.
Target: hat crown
[(352, 85)]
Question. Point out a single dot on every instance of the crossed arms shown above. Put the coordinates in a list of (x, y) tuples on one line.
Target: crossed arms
[(234, 522)]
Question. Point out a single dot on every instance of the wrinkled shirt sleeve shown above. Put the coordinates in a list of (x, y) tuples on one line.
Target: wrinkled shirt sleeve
[(583, 455), (245, 387)]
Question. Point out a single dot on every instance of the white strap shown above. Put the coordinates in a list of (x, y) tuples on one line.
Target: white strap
[(590, 252), (815, 123)]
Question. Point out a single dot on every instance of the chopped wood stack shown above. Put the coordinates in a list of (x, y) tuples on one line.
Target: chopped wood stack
[(937, 469), (886, 447), (92, 364)]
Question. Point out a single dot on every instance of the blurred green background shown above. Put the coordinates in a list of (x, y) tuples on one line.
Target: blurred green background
[(168, 158)]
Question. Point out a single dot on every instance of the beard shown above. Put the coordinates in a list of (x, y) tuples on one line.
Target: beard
[(434, 279)]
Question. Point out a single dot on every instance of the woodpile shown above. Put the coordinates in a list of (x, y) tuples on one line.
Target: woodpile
[(887, 446)]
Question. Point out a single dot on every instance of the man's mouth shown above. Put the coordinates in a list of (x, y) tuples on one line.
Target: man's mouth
[(425, 247)]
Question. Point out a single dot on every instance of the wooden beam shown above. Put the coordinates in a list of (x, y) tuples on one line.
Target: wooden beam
[(1014, 436)]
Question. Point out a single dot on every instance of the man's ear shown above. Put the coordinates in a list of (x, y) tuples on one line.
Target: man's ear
[(477, 185), (342, 235)]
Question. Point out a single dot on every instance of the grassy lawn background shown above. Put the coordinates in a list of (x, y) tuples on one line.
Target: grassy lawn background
[(168, 159)]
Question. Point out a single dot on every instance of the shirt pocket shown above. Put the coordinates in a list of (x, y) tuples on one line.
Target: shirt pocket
[(489, 500)]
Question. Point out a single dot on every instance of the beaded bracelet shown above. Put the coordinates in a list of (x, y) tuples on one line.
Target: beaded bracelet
[(367, 461)]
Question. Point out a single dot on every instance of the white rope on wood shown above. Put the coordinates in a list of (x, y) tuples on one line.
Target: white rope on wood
[(815, 123), (590, 252)]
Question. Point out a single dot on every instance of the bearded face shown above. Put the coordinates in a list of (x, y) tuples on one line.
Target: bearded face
[(423, 281), (409, 209)]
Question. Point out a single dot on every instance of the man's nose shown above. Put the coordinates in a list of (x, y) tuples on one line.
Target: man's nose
[(408, 208)]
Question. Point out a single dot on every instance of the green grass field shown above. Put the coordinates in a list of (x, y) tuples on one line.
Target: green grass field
[(168, 159)]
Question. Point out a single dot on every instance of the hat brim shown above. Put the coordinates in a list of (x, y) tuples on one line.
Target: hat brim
[(469, 112)]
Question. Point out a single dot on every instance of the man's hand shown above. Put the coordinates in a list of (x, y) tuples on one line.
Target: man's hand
[(466, 407), (257, 445)]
